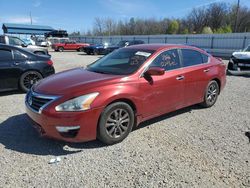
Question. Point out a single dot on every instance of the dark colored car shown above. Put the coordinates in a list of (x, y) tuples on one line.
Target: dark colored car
[(239, 62), (21, 69), (68, 45), (126, 87), (105, 48), (123, 43), (96, 49), (56, 33)]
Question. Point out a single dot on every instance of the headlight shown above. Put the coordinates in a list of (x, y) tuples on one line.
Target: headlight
[(77, 104)]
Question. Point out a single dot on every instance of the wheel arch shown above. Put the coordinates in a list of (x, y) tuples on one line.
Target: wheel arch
[(125, 100)]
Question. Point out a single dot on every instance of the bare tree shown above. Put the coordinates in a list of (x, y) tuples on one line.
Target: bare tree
[(98, 26), (198, 18), (217, 13)]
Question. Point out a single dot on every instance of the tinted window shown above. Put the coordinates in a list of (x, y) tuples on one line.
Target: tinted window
[(19, 56), (168, 60), (191, 57), (5, 54)]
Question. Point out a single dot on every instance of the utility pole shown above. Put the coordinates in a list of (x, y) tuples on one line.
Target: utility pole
[(30, 19), (236, 17)]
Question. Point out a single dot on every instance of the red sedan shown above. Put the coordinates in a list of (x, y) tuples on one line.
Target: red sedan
[(117, 92)]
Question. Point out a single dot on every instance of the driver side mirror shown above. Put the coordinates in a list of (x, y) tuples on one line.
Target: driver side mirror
[(155, 71)]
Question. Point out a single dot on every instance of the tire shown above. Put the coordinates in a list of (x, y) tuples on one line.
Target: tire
[(81, 49), (78, 50), (60, 49), (95, 52), (28, 79), (88, 52), (115, 123), (39, 53), (211, 94)]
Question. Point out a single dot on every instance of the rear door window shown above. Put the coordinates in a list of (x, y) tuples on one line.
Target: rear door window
[(169, 60), (5, 55), (204, 58), (191, 57), (19, 56)]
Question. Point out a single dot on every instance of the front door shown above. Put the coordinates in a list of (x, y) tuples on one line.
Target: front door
[(163, 93)]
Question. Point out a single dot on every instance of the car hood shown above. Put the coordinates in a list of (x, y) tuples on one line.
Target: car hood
[(241, 55), (75, 80), (35, 47)]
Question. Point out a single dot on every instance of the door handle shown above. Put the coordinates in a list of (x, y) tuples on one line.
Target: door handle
[(206, 70), (16, 63), (180, 77)]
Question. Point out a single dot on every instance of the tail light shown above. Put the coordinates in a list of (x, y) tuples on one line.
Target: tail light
[(50, 62)]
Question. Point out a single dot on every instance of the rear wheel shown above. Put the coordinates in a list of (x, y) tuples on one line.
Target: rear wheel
[(115, 123), (211, 94), (95, 52), (28, 79), (60, 49)]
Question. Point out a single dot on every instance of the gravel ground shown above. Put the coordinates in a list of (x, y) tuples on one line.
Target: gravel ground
[(192, 147)]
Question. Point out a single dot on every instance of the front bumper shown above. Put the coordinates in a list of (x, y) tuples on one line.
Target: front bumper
[(48, 121), (238, 67)]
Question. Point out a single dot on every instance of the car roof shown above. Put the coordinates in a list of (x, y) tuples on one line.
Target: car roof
[(6, 46), (157, 47)]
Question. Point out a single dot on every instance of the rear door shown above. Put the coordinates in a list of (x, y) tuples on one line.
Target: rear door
[(164, 93), (7, 77), (196, 70)]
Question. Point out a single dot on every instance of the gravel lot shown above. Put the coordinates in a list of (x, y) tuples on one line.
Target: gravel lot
[(193, 147)]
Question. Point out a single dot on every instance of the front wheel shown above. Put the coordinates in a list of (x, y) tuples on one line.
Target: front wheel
[(115, 123), (211, 94), (28, 79)]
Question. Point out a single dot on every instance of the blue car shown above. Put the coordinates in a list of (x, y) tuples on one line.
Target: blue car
[(105, 48)]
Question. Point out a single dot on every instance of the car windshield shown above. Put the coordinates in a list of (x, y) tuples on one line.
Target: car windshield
[(247, 49), (121, 62)]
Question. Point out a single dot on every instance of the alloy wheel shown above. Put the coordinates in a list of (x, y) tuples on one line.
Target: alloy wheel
[(117, 123), (212, 93), (30, 79)]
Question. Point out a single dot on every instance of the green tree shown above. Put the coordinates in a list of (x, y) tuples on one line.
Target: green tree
[(224, 29), (207, 30), (173, 27)]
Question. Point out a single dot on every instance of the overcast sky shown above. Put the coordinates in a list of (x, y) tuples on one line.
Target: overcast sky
[(78, 15)]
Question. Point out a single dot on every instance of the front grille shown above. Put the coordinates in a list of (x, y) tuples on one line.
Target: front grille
[(37, 102)]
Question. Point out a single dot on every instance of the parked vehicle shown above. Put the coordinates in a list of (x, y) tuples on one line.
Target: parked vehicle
[(15, 41), (29, 41), (56, 33), (21, 69), (123, 43), (42, 42), (106, 48), (128, 86), (239, 63), (96, 49), (54, 40), (69, 45)]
